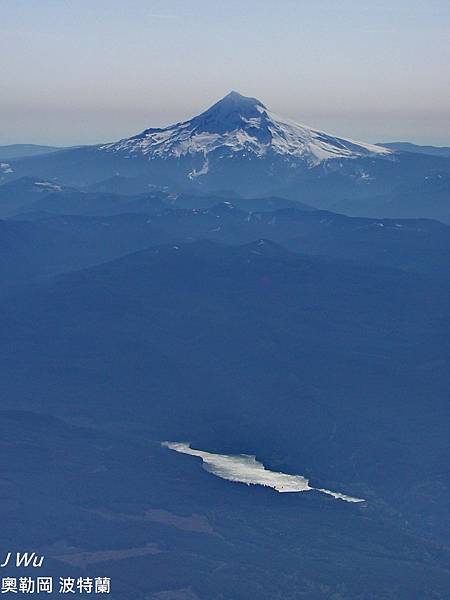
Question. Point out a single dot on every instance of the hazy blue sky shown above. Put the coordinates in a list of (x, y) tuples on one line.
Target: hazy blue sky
[(82, 71)]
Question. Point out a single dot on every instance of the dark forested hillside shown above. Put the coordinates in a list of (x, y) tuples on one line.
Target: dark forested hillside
[(318, 366)]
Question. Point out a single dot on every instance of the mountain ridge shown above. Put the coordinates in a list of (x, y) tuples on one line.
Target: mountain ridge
[(417, 148), (240, 146)]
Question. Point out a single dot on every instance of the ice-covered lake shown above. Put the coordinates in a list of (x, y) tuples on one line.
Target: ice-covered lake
[(244, 468)]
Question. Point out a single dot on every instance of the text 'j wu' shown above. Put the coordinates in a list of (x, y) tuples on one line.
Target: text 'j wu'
[(22, 559)]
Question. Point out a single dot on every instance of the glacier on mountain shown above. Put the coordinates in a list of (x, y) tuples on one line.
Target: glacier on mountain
[(238, 125)]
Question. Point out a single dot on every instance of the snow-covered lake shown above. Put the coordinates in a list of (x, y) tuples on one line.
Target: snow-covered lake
[(244, 468)]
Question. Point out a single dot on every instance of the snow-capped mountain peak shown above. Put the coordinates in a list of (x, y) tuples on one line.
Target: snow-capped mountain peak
[(238, 125), (231, 113)]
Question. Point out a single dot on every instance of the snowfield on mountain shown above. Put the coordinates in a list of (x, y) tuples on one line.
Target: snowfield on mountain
[(238, 124)]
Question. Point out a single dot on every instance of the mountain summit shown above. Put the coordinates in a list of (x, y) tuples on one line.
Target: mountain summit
[(228, 114), (238, 125)]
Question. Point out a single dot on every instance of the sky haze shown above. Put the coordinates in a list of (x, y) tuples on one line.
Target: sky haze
[(86, 72)]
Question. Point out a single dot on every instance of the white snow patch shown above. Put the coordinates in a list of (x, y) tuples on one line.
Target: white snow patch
[(6, 168), (48, 185), (244, 468), (203, 171)]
